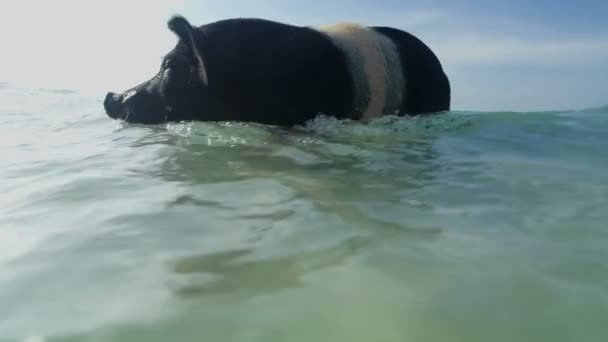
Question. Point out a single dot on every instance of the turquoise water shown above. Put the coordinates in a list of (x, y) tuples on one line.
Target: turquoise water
[(459, 227)]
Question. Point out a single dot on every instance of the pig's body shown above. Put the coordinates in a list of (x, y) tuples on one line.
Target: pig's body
[(256, 70)]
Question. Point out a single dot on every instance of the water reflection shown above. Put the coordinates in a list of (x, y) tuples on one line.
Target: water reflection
[(334, 178), (240, 273)]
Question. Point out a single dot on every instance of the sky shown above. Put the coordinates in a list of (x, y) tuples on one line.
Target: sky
[(510, 55)]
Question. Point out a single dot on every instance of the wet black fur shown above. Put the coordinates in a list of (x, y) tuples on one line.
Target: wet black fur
[(255, 70)]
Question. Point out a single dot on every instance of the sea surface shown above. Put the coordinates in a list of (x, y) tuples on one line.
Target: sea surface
[(464, 226)]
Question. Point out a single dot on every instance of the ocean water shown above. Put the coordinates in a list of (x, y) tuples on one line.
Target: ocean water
[(464, 226)]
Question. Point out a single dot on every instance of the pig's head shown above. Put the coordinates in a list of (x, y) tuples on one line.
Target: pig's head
[(179, 91)]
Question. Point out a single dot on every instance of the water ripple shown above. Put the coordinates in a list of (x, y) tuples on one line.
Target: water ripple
[(463, 226)]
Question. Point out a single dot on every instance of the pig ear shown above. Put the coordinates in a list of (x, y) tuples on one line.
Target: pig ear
[(187, 34)]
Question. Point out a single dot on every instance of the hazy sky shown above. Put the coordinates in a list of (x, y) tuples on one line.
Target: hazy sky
[(499, 55)]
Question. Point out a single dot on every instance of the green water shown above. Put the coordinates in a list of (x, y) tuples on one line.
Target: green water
[(459, 227)]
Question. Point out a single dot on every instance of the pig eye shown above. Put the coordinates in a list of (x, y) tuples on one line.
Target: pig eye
[(170, 64)]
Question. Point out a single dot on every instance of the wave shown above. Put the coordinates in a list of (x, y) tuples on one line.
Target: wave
[(599, 109)]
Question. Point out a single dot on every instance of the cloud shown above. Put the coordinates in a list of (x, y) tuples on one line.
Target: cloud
[(468, 39), (486, 49)]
